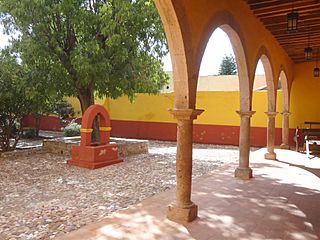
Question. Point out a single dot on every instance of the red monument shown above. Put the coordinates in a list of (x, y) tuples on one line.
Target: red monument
[(95, 156)]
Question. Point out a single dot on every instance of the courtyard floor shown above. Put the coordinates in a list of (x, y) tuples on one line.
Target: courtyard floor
[(280, 202), (41, 197)]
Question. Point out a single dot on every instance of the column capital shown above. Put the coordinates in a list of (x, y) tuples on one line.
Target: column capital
[(185, 114), (286, 113), (248, 114), (271, 114)]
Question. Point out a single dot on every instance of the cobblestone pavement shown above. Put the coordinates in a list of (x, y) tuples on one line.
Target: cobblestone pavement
[(41, 197)]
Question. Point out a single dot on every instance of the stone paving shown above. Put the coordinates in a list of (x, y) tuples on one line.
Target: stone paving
[(41, 197), (281, 202)]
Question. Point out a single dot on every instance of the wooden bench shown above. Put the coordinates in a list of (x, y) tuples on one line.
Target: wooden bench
[(311, 135)]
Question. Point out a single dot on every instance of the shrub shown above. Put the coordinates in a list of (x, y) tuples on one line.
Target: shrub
[(30, 133), (73, 129), (64, 110)]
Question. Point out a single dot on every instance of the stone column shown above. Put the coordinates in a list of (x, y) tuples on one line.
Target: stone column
[(271, 155), (244, 171), (183, 209), (285, 130)]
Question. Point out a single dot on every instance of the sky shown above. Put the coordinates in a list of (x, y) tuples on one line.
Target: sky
[(3, 38), (218, 46)]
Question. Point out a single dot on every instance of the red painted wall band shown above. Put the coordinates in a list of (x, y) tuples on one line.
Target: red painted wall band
[(49, 123), (202, 133)]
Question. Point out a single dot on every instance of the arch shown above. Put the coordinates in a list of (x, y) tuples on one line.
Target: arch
[(285, 88), (265, 57), (180, 47), (225, 21), (91, 156), (285, 108), (87, 121), (90, 114)]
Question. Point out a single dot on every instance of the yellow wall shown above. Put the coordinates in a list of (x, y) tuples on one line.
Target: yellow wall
[(260, 105), (77, 107), (150, 108), (219, 108), (305, 95), (75, 104)]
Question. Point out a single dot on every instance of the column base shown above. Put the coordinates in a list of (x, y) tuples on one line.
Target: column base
[(284, 146), (182, 215), (270, 156), (243, 173)]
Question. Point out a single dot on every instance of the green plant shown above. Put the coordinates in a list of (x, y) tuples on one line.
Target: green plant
[(85, 48), (30, 133), (228, 66), (64, 110), (14, 104), (73, 129)]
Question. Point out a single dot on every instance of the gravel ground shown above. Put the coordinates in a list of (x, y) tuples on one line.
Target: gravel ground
[(41, 197)]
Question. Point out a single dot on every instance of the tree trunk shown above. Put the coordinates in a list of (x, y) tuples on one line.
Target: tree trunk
[(86, 98), (38, 119), (18, 134)]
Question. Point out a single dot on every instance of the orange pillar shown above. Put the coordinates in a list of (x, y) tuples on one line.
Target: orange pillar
[(243, 171), (271, 155), (285, 130), (183, 209), (104, 135)]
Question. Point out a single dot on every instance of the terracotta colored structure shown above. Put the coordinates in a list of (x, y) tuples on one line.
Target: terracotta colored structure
[(257, 31), (188, 26), (95, 156)]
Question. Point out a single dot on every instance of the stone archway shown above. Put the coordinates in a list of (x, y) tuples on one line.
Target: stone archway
[(104, 125), (188, 26), (286, 108), (225, 20), (180, 47), (185, 85), (186, 58), (265, 57), (95, 156)]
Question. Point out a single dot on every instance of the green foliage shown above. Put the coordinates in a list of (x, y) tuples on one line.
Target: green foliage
[(19, 95), (64, 110), (228, 66), (73, 129), (78, 47), (30, 133), (13, 101)]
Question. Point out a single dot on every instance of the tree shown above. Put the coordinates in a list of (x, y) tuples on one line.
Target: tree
[(64, 110), (85, 47), (228, 66), (13, 105), (19, 96)]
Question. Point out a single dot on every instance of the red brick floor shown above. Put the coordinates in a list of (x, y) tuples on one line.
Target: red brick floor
[(282, 201)]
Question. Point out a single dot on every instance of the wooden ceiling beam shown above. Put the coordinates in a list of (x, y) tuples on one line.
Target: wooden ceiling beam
[(301, 45), (305, 18), (299, 39), (273, 14), (296, 35), (285, 11), (313, 26), (285, 6)]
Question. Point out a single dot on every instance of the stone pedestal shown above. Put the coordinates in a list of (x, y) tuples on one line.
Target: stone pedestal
[(271, 155), (285, 130), (93, 156), (183, 209), (244, 171)]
